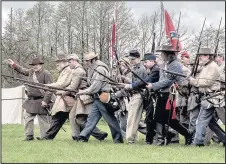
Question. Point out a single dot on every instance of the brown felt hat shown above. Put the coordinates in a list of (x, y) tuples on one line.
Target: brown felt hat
[(90, 56), (36, 61), (205, 51), (166, 48), (61, 57)]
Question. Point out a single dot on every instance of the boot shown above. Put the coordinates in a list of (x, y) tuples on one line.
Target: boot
[(102, 137), (29, 138), (75, 138), (189, 139), (82, 139), (170, 137), (44, 138)]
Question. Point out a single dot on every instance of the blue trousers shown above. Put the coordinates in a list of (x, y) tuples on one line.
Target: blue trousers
[(98, 110), (205, 118)]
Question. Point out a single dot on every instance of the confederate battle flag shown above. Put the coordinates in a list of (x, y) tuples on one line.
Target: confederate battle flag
[(170, 31)]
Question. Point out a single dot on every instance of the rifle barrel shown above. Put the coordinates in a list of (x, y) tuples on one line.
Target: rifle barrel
[(39, 85), (214, 95), (137, 75)]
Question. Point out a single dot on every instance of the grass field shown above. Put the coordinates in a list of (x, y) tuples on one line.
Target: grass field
[(63, 149)]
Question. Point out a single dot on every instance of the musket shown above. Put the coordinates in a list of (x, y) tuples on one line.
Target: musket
[(153, 31), (196, 63), (104, 75), (110, 82), (117, 59), (185, 76), (153, 44), (40, 85), (217, 37), (214, 95), (177, 47), (136, 75)]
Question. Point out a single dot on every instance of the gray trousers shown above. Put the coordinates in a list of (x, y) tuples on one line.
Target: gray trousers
[(209, 133), (43, 120)]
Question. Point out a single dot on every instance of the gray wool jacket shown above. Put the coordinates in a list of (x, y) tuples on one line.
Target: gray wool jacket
[(166, 79), (96, 86)]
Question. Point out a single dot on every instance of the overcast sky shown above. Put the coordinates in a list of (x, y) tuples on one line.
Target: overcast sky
[(192, 12)]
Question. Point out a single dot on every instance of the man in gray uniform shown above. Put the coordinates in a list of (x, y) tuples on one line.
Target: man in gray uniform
[(100, 90), (166, 81)]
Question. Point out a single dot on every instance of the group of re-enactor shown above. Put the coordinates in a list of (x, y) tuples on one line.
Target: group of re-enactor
[(169, 109)]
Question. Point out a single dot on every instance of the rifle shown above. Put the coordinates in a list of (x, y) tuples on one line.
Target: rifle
[(110, 82), (153, 31), (118, 63), (136, 75), (40, 85), (196, 63), (153, 44), (185, 76), (214, 95), (217, 37), (177, 47)]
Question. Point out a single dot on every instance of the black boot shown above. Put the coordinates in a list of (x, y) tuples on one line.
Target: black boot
[(102, 137), (170, 136), (75, 138), (44, 138), (82, 139), (29, 138)]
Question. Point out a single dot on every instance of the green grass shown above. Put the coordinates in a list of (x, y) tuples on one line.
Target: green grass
[(63, 149)]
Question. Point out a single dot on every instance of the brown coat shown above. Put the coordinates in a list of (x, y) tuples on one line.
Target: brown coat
[(44, 77)]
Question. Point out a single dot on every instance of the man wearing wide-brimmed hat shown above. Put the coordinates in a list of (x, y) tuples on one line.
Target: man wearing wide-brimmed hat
[(81, 109), (206, 81), (163, 87), (100, 91), (38, 99)]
